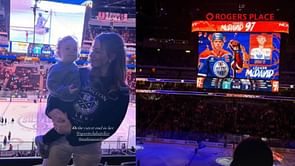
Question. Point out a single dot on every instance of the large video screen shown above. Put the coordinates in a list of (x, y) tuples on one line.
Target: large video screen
[(238, 61), (53, 21)]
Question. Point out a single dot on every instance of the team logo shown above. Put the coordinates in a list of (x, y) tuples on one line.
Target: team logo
[(220, 69), (259, 55), (86, 104), (264, 53)]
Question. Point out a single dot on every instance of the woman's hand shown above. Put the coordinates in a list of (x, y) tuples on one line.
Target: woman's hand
[(60, 121)]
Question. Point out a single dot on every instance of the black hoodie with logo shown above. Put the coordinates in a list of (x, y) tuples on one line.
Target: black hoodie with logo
[(97, 112)]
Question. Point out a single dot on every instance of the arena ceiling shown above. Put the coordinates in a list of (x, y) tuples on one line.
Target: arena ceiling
[(174, 18)]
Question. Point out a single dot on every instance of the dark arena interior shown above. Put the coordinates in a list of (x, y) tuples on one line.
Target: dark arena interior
[(28, 51), (193, 111)]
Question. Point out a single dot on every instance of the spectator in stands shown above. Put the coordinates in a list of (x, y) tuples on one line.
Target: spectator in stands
[(10, 147), (4, 141), (9, 135), (254, 152), (63, 83), (104, 88)]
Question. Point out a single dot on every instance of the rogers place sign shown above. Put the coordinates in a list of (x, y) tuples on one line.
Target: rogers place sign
[(240, 16)]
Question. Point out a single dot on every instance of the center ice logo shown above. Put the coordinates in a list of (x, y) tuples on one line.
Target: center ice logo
[(34, 121), (220, 69)]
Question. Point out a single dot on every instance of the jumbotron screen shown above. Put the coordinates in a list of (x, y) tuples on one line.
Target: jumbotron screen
[(53, 20), (239, 55), (239, 61)]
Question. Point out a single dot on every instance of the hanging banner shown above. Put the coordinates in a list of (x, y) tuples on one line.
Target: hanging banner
[(109, 16)]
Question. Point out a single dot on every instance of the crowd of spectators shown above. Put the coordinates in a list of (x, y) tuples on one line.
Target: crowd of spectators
[(183, 117), (19, 153), (19, 79), (166, 72), (128, 34), (177, 85), (24, 78), (2, 25), (158, 56), (5, 73)]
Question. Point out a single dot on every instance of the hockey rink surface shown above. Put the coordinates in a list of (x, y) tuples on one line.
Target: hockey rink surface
[(167, 154), (30, 120)]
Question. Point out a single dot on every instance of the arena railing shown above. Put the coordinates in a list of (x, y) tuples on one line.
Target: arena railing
[(28, 148)]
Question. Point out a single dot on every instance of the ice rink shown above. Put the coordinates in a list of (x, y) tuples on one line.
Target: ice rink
[(171, 154), (30, 120)]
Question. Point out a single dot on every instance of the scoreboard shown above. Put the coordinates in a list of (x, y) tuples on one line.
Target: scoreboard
[(240, 26), (239, 55)]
